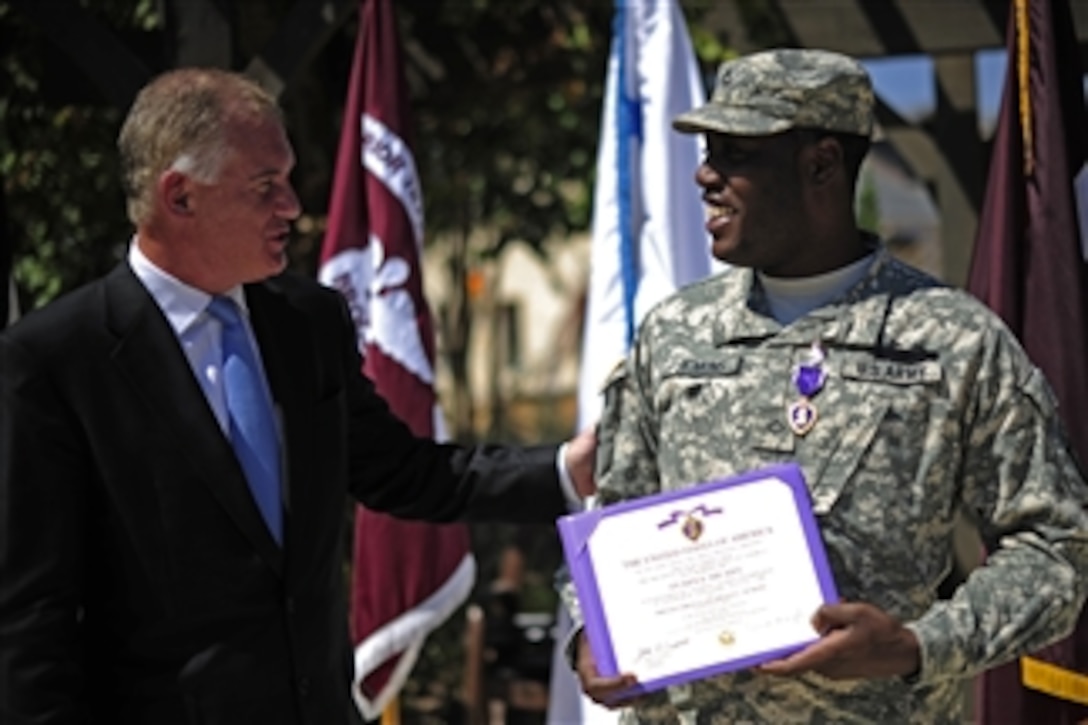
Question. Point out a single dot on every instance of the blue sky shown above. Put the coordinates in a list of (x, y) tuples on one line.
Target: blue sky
[(906, 83)]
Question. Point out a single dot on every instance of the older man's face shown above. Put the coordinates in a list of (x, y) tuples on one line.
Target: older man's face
[(244, 217)]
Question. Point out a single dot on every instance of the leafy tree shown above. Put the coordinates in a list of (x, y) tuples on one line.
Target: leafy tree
[(59, 172), (506, 97)]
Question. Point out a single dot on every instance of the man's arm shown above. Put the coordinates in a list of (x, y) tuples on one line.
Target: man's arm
[(42, 565), (1029, 499), (391, 470)]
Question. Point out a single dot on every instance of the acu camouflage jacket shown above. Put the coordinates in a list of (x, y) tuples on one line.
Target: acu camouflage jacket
[(930, 405)]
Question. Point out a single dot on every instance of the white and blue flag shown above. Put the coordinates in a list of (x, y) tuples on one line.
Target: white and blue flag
[(648, 234)]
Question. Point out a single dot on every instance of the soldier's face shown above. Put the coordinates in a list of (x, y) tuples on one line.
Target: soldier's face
[(753, 193)]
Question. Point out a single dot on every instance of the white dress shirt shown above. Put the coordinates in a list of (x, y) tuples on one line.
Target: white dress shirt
[(198, 332)]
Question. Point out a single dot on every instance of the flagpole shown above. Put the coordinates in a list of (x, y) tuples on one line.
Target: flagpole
[(391, 713)]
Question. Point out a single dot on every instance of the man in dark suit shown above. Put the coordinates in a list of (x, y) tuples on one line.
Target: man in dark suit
[(140, 579)]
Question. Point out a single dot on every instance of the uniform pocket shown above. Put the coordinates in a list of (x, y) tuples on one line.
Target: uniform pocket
[(880, 426)]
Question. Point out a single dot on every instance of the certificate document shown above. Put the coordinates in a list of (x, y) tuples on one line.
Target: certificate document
[(709, 579)]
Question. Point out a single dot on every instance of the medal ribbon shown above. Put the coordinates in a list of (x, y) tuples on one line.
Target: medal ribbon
[(809, 378)]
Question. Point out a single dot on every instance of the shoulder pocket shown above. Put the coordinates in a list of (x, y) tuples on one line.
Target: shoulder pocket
[(881, 416), (611, 417)]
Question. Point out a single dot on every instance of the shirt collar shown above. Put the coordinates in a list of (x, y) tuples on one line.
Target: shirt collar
[(746, 313), (182, 304)]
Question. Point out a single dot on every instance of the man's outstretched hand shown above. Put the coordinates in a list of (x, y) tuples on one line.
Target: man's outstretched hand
[(579, 460)]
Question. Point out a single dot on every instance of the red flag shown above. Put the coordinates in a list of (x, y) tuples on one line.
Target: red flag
[(1029, 266), (407, 577)]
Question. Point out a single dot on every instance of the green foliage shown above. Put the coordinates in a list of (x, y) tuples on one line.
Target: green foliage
[(506, 97), (868, 204), (709, 48), (58, 168), (767, 28)]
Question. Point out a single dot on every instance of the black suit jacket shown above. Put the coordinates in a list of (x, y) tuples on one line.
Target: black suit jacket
[(138, 583)]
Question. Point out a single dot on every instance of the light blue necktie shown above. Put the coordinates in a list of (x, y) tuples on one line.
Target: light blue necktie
[(252, 430)]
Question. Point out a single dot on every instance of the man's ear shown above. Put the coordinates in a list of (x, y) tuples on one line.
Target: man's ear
[(175, 193), (825, 160)]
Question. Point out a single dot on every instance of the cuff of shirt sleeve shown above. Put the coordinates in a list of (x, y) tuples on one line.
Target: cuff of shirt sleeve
[(930, 667), (570, 493), (570, 648)]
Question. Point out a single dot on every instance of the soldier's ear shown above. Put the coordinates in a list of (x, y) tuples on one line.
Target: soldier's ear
[(825, 160)]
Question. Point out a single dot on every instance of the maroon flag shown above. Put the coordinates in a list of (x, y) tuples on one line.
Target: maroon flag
[(407, 577), (1029, 266)]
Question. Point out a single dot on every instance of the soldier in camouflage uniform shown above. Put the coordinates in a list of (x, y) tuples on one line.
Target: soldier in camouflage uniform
[(927, 404)]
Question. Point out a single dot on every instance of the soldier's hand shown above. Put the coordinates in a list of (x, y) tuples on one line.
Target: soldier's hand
[(857, 641), (602, 690)]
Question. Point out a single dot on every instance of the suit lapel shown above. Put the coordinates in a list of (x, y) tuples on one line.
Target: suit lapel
[(150, 356)]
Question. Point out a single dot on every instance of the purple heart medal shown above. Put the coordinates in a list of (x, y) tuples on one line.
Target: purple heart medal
[(808, 378)]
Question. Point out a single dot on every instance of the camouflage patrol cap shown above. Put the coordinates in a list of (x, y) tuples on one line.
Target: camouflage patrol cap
[(775, 90)]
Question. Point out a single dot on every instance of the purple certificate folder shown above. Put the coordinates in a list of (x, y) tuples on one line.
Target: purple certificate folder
[(697, 582)]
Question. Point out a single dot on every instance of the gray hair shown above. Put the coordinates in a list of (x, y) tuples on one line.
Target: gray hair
[(178, 123)]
